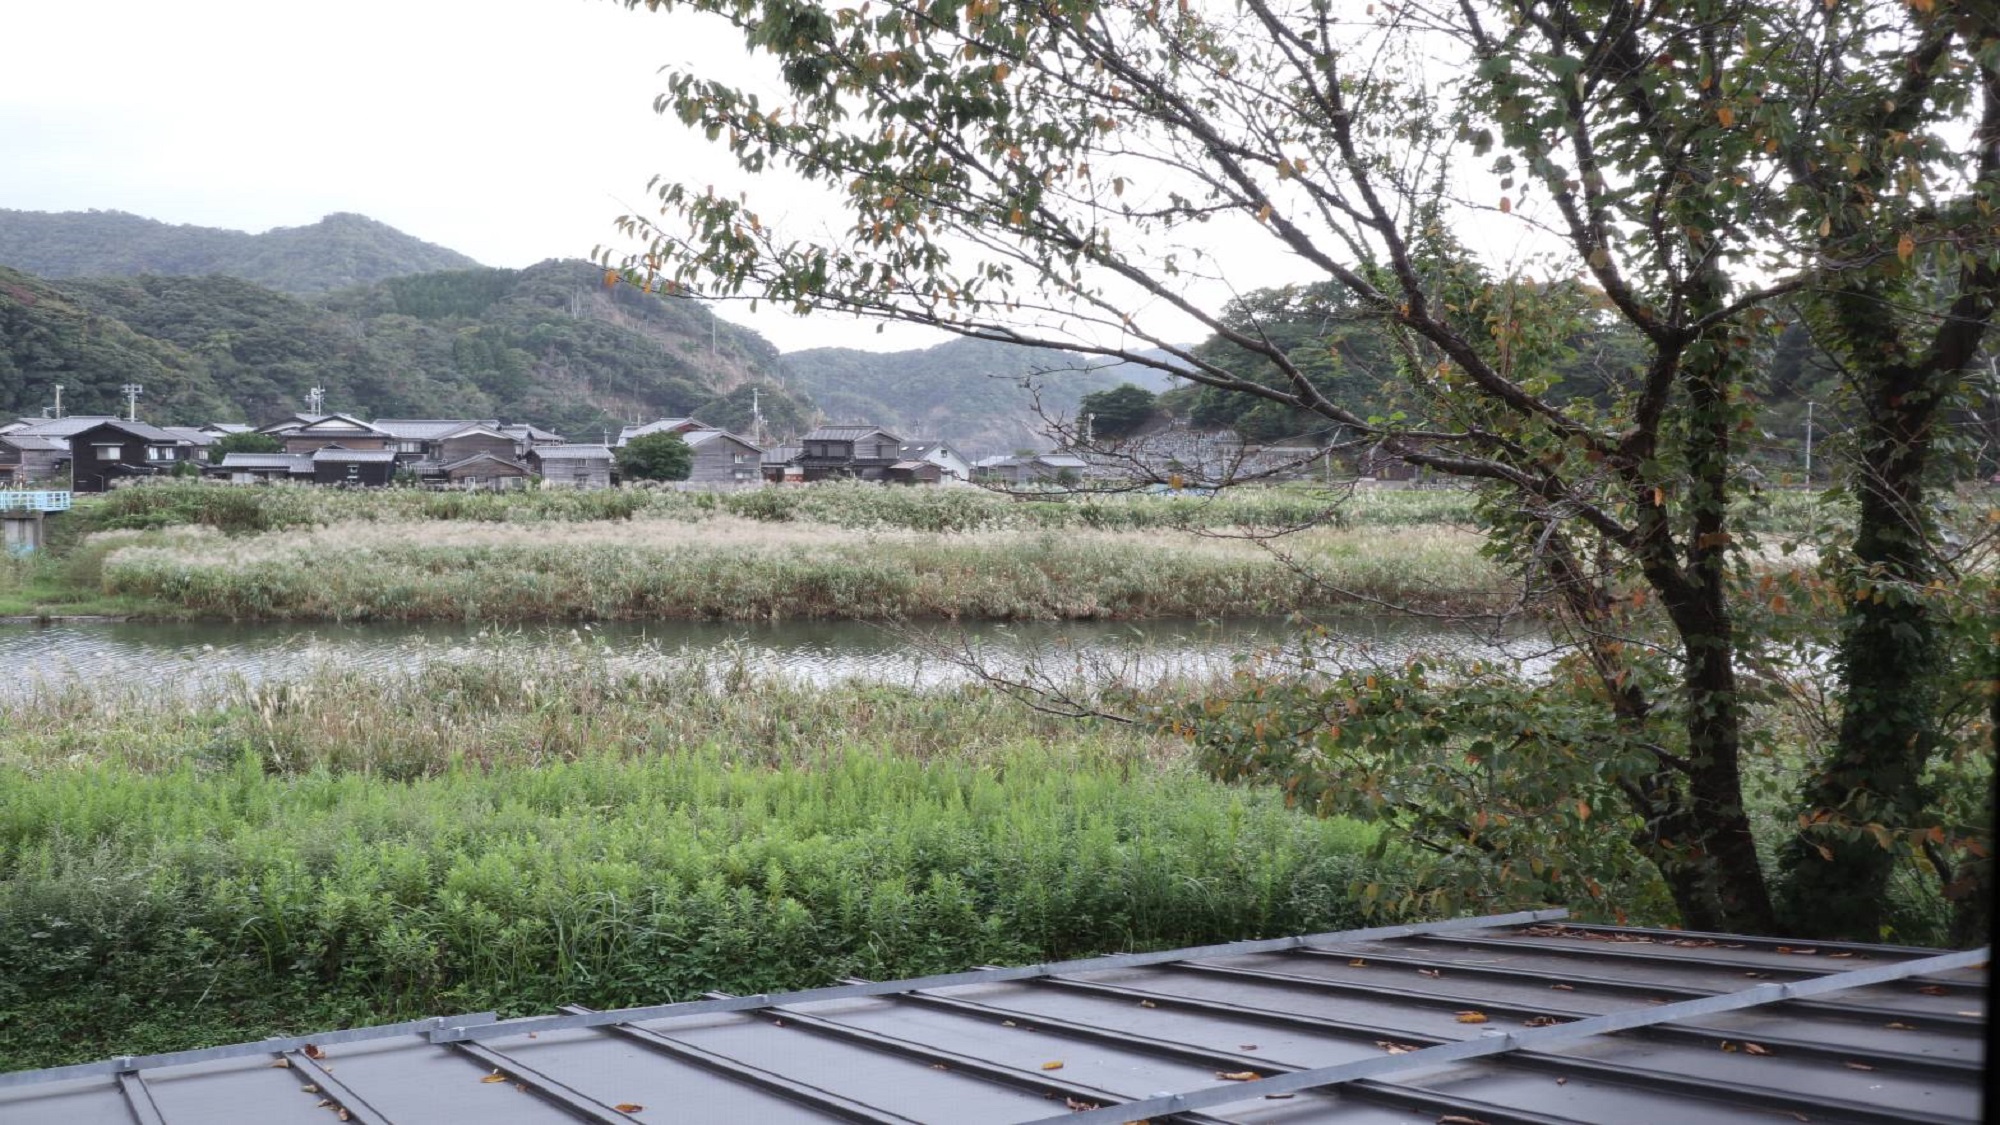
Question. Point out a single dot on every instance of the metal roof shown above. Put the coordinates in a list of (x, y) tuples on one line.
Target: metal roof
[(336, 454), (427, 429), (681, 426), (35, 443), (291, 462), (62, 427), (849, 433), (702, 437), (1504, 1020), (572, 453)]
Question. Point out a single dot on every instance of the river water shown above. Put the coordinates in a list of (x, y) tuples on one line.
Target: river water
[(198, 658)]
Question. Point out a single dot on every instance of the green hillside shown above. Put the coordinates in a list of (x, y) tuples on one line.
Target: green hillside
[(549, 344), (977, 394), (338, 251)]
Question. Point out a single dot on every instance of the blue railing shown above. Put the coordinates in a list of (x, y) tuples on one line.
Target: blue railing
[(47, 500)]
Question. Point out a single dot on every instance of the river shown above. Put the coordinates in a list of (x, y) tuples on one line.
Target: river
[(198, 658)]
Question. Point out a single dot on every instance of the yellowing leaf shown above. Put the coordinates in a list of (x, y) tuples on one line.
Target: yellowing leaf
[(1825, 226), (1506, 205), (1725, 115), (1852, 1065), (1238, 1075), (1472, 1017), (1357, 963), (1264, 213), (1582, 809), (1001, 71), (1052, 1066), (496, 1076), (1905, 246), (1756, 1049), (628, 1107)]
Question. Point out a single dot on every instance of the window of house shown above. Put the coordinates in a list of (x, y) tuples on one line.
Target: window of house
[(159, 453), (353, 471), (108, 452), (740, 459), (885, 452)]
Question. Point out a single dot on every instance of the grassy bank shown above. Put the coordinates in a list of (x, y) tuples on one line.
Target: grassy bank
[(512, 836), (730, 568)]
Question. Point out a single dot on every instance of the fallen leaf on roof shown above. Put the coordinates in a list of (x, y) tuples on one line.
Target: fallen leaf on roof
[(1562, 1081), (1840, 955), (1459, 1119), (496, 1076), (1431, 973), (322, 1103), (1239, 1075), (342, 1115), (1931, 990), (1728, 1046), (1147, 1004), (309, 1089), (1357, 963), (1472, 1017), (1541, 1021), (1051, 1066), (1852, 1065), (1756, 1049), (1797, 952), (1246, 1046), (777, 1023), (282, 1063), (1079, 1106), (312, 1052), (1278, 1097), (1899, 1025), (1394, 1048), (939, 1066), (1008, 1023), (1756, 976), (628, 1107), (1563, 987)]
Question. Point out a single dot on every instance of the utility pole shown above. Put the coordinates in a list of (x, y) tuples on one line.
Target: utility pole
[(1089, 421), (756, 417), (59, 387), (1809, 436), (132, 393), (315, 400)]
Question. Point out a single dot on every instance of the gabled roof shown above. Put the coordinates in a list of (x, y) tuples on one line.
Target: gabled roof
[(150, 434), (226, 428), (1513, 1018), (572, 453), (63, 427), (462, 462), (703, 437), (340, 424), (523, 431), (290, 462), (426, 429), (664, 425), (849, 433), (33, 443), (193, 435), (781, 454), (287, 425)]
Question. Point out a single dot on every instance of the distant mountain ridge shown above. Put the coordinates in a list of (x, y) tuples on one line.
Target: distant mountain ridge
[(339, 251), (979, 395), (550, 344)]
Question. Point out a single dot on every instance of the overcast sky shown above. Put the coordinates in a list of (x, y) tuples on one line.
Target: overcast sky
[(509, 130)]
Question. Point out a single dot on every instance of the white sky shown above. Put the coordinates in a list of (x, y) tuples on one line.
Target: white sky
[(510, 130)]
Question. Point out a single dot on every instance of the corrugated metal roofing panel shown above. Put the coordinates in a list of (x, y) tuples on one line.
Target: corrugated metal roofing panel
[(1495, 1020)]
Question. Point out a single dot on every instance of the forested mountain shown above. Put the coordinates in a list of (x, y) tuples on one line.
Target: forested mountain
[(976, 394), (549, 344), (338, 251)]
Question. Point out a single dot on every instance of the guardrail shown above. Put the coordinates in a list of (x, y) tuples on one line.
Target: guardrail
[(45, 500)]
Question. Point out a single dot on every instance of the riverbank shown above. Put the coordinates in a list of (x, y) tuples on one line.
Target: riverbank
[(544, 829)]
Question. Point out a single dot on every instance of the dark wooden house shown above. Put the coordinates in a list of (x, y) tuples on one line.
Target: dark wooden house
[(849, 452), (356, 468), (484, 471), (573, 466), (115, 450), (721, 457), (27, 460)]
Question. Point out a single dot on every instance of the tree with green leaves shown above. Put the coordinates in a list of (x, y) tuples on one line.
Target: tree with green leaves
[(1119, 412), (247, 442), (1084, 173), (656, 456)]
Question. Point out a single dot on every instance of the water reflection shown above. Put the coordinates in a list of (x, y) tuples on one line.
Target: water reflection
[(197, 658)]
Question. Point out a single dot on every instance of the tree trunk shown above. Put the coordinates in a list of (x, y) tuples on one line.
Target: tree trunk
[(1838, 871)]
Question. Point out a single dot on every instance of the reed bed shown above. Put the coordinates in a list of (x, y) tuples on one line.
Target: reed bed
[(175, 872), (238, 509), (730, 568)]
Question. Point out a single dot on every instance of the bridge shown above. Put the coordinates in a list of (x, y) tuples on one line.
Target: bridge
[(21, 514)]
